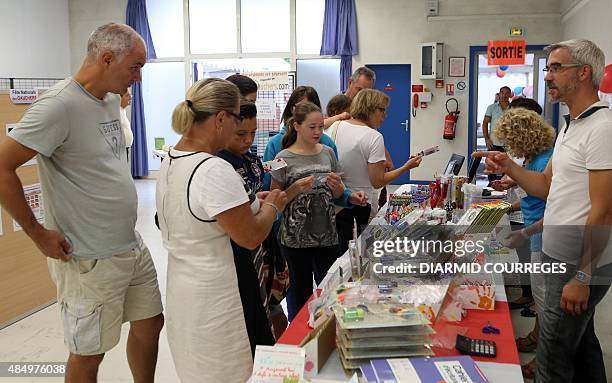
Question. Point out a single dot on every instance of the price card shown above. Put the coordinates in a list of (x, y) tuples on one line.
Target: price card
[(278, 364)]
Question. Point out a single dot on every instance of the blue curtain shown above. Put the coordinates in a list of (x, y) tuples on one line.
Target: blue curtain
[(136, 17), (195, 72), (340, 35)]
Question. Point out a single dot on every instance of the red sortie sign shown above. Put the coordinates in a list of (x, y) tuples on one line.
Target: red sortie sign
[(507, 52)]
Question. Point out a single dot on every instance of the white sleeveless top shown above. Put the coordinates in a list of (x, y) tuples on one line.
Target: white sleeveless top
[(204, 318)]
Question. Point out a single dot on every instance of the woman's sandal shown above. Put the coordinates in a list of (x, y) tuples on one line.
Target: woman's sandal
[(527, 344), (528, 370)]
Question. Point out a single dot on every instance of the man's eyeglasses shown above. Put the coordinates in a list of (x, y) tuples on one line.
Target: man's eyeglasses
[(556, 67), (384, 110), (238, 117)]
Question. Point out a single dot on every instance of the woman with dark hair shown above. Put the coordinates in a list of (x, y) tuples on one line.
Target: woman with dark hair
[(246, 85)]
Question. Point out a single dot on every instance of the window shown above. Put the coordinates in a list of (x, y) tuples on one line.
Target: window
[(309, 15), (321, 74), (163, 87), (265, 25), (212, 26), (233, 36), (166, 25)]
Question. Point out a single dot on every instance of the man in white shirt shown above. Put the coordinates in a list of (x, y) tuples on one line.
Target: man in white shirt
[(578, 215)]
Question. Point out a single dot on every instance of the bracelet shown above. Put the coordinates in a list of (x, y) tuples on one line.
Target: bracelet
[(524, 233), (273, 205)]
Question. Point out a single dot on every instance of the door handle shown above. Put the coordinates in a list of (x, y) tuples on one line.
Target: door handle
[(405, 125)]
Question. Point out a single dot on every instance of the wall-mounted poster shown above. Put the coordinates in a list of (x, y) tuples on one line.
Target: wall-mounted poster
[(456, 67), (33, 196)]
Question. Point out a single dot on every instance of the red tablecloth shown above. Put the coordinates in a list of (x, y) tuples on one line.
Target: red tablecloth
[(474, 322)]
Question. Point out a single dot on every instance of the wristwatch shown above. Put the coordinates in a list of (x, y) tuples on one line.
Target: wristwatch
[(582, 277)]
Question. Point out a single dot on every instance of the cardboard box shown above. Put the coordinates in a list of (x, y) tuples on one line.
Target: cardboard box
[(319, 345)]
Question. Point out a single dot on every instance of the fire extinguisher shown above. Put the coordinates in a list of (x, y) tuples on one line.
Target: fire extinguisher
[(450, 121)]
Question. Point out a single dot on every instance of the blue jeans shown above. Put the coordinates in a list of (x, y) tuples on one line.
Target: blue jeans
[(568, 348)]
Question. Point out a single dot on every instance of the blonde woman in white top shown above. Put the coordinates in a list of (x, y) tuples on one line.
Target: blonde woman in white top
[(361, 150), (202, 203)]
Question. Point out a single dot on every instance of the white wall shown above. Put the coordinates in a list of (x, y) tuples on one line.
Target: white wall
[(390, 31), (590, 19), (34, 38), (87, 15)]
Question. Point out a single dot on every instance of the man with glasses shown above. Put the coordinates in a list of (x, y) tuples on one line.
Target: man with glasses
[(577, 184)]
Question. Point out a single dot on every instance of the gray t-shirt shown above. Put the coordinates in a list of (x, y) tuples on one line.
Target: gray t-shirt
[(88, 192), (310, 219)]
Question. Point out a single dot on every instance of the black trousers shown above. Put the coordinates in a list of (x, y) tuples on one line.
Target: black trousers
[(344, 223), (255, 316), (494, 177), (303, 264), (524, 256)]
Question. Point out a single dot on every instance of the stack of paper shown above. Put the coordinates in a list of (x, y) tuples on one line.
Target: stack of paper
[(482, 217), (381, 330), (423, 370)]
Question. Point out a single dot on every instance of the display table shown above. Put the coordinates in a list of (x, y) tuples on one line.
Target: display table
[(502, 369)]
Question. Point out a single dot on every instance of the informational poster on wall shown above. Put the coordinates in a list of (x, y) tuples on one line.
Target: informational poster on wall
[(270, 81), (266, 109), (34, 199), (10, 127), (23, 96)]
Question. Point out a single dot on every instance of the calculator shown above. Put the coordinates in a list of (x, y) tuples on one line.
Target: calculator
[(476, 347)]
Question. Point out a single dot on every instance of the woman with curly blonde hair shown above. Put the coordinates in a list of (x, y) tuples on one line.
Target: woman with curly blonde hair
[(525, 134)]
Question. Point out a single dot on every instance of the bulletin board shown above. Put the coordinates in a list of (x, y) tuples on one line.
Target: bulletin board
[(25, 284), (270, 106)]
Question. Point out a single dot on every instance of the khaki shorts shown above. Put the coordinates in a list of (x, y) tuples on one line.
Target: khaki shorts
[(97, 296)]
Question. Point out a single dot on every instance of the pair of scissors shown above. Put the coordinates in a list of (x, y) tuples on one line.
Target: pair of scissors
[(489, 329)]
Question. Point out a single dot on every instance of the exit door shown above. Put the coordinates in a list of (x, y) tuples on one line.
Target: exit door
[(394, 81), (525, 80)]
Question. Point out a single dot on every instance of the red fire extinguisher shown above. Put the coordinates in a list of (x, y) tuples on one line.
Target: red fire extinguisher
[(450, 121)]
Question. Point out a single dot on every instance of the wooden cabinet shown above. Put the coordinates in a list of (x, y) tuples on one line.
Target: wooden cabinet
[(25, 284)]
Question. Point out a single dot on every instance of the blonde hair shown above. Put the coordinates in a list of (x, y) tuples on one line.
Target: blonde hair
[(524, 132), (203, 99), (366, 102)]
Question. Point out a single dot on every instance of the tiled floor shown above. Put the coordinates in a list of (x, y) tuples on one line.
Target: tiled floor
[(39, 336)]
